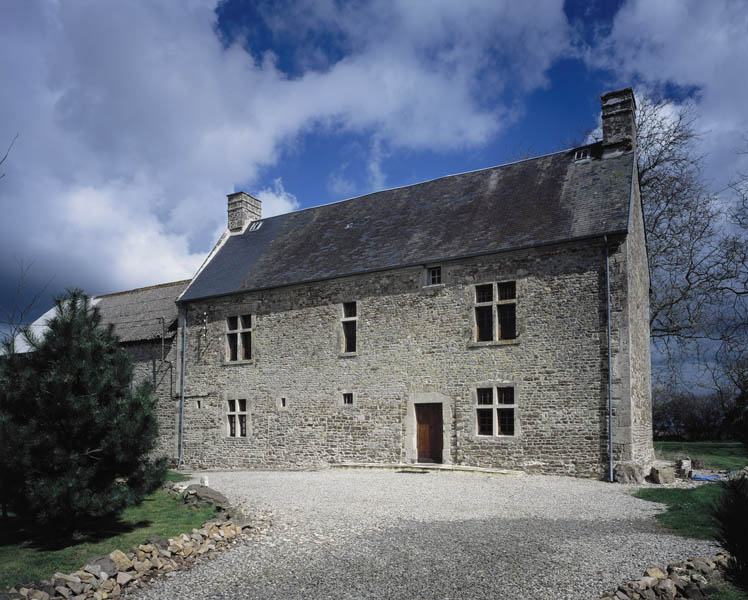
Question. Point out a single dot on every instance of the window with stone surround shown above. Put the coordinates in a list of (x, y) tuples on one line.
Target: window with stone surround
[(433, 276), (236, 418), (239, 338), (495, 411), (349, 322), (495, 311)]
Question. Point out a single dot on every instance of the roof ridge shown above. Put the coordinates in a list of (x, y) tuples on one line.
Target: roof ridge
[(142, 289)]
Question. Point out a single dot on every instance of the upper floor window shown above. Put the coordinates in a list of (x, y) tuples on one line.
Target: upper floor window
[(349, 322), (496, 311), (239, 338), (433, 276)]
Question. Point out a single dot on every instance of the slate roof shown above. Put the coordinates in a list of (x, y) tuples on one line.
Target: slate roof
[(540, 201), (136, 314)]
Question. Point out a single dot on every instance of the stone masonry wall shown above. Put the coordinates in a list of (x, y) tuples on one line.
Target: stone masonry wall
[(640, 363), (148, 366), (414, 342)]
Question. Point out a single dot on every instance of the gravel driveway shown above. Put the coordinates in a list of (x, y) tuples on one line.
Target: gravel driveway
[(386, 534)]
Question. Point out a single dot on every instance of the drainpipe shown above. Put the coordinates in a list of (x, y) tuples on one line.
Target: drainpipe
[(610, 370), (181, 403)]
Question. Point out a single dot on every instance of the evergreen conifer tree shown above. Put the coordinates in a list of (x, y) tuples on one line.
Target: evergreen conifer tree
[(75, 433)]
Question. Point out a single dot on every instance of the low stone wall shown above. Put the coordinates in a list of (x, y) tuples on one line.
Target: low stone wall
[(108, 577), (694, 579)]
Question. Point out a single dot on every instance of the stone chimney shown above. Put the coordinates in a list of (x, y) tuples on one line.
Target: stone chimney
[(619, 126), (243, 209)]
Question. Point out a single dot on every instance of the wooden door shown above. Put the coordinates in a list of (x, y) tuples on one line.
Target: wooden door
[(429, 432)]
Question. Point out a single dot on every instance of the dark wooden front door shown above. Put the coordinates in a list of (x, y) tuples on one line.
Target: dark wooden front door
[(430, 432)]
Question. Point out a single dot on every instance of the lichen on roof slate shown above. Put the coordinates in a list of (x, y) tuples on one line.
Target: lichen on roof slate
[(540, 201)]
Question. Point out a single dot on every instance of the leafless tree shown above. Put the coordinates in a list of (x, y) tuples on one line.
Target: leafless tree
[(698, 248), (15, 318), (7, 152)]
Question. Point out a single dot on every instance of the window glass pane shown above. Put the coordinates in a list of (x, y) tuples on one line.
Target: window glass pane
[(349, 309), (246, 345), (232, 405), (507, 321), (485, 395), (484, 323), (485, 421), (507, 290), (243, 425), (484, 293), (242, 406), (349, 332), (435, 275), (505, 395), (232, 323), (232, 425), (232, 338), (506, 421), (246, 321)]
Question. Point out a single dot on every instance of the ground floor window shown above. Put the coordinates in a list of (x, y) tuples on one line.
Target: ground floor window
[(236, 412), (495, 411)]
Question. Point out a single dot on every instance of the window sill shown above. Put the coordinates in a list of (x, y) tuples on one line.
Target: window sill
[(347, 354), (236, 439), (513, 342), (231, 363), (432, 286), (497, 438)]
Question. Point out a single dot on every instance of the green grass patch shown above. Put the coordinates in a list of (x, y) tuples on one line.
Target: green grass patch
[(176, 476), (23, 559), (729, 456), (727, 591), (688, 510)]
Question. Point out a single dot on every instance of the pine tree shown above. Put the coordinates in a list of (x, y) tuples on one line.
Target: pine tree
[(75, 433)]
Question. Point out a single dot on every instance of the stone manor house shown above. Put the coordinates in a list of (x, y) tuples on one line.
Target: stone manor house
[(496, 318)]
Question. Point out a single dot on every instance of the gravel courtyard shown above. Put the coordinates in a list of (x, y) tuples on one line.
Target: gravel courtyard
[(386, 534)]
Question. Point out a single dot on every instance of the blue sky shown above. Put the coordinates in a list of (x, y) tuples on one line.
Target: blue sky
[(135, 119)]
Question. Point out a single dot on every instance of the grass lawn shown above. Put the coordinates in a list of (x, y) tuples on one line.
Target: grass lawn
[(730, 456), (23, 560), (689, 510)]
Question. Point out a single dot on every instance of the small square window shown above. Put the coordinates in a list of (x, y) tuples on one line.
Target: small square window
[(485, 395), (507, 290), (484, 293), (349, 309), (348, 398), (434, 276)]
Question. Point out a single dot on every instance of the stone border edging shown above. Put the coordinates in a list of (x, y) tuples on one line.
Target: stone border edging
[(107, 577), (693, 579)]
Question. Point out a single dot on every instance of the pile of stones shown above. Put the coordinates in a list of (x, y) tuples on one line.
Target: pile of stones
[(109, 576), (693, 579)]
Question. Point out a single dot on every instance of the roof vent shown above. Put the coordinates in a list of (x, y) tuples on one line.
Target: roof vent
[(582, 154), (255, 225)]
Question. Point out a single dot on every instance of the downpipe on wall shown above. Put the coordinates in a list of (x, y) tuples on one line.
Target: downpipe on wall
[(610, 371), (181, 401)]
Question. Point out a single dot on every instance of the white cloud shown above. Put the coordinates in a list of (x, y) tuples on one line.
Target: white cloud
[(276, 200), (691, 44), (135, 121)]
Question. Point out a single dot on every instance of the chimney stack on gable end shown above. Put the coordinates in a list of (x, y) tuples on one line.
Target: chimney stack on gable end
[(243, 209), (619, 125)]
